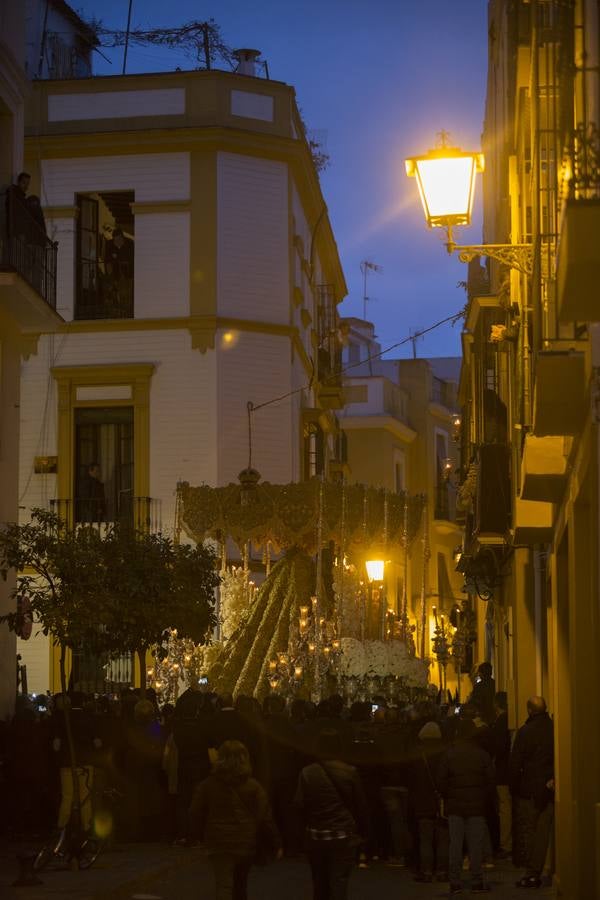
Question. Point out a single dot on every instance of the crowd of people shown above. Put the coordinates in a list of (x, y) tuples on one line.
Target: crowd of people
[(418, 785)]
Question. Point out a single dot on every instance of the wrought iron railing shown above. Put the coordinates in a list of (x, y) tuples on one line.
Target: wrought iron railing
[(98, 673), (142, 513), (329, 356), (445, 502), (25, 247)]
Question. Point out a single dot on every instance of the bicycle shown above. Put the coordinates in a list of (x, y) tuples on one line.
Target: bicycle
[(72, 844), (66, 848)]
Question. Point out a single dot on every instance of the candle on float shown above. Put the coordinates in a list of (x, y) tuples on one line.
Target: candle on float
[(326, 650), (335, 644), (311, 647), (314, 601), (303, 612), (297, 672), (272, 665)]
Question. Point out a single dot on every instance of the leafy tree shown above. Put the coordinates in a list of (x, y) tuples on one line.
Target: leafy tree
[(60, 582), (60, 574), (153, 585)]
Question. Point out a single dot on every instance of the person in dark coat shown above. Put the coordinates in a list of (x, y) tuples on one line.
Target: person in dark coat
[(192, 736), (92, 501), (465, 776), (228, 810), (531, 781), (284, 762), (334, 808), (484, 691), (426, 806), (139, 760), (501, 755)]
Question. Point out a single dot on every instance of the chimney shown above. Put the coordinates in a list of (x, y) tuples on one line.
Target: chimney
[(246, 61)]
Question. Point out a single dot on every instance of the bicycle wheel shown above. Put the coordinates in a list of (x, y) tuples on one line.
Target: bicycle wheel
[(88, 852), (42, 859)]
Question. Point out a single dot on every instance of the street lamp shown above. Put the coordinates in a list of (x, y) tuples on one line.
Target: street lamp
[(375, 569), (446, 181), (375, 574)]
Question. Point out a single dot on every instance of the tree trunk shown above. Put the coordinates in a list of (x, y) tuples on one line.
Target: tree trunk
[(142, 661), (75, 820)]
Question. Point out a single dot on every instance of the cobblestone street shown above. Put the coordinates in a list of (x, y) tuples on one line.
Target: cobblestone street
[(155, 872)]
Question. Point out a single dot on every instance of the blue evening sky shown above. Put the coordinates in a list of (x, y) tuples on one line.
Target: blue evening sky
[(376, 80)]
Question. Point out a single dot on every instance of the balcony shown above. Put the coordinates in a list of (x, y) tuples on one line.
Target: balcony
[(533, 522), (578, 262), (142, 513), (544, 467), (376, 402), (559, 395), (27, 266), (493, 494), (444, 509), (329, 353)]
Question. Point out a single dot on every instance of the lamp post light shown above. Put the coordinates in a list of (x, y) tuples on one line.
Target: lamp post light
[(446, 180), (375, 574)]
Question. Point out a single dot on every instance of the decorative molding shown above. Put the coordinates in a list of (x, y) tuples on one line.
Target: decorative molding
[(67, 379), (28, 344), (61, 212), (163, 206)]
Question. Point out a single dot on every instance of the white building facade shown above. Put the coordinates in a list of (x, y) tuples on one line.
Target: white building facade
[(221, 293)]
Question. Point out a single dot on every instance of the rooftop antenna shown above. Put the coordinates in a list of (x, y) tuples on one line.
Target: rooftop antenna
[(367, 266), (127, 36), (415, 336)]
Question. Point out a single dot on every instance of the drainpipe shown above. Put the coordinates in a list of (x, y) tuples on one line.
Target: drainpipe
[(538, 566)]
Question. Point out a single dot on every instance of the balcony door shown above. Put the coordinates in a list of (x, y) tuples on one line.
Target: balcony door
[(104, 455), (87, 257)]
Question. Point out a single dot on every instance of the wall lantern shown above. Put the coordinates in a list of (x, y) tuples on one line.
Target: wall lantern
[(446, 178), (446, 181)]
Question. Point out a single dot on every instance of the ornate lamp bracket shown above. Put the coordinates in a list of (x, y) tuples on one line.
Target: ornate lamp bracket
[(516, 256)]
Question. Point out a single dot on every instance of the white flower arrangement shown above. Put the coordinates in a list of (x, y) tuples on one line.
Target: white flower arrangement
[(236, 592), (382, 658), (377, 658), (352, 657)]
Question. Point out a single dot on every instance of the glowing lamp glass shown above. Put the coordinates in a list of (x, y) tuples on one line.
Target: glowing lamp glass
[(375, 569), (446, 182)]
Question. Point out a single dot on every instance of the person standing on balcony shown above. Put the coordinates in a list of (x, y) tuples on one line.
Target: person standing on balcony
[(119, 269), (27, 229), (92, 502), (32, 202)]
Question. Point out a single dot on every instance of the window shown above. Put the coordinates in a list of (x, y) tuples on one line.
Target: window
[(353, 354), (399, 471), (104, 455), (105, 255), (442, 493), (314, 450)]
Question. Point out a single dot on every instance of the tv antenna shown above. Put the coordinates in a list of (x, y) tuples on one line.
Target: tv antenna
[(367, 266), (416, 335)]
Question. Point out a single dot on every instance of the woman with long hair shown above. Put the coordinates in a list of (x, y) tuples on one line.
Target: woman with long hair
[(231, 814)]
